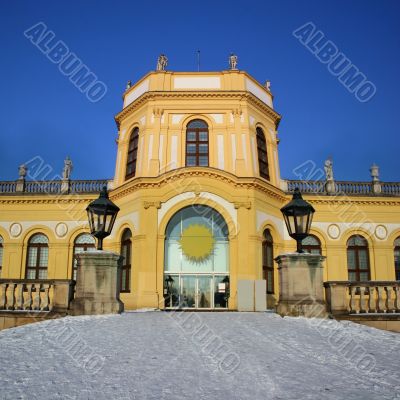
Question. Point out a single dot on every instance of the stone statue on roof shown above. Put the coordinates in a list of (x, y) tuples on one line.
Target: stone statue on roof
[(162, 62), (233, 62), (67, 168), (22, 170), (328, 167)]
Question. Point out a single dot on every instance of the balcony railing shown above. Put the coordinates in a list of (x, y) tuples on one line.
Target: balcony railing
[(345, 188), (35, 295), (368, 298), (53, 187)]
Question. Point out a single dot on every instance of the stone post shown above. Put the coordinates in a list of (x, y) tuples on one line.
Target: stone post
[(63, 291), (301, 290), (336, 297), (97, 290), (65, 186)]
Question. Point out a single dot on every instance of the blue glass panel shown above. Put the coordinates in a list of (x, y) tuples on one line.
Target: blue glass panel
[(197, 123)]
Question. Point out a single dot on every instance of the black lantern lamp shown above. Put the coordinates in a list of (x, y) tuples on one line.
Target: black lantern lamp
[(102, 213), (298, 215)]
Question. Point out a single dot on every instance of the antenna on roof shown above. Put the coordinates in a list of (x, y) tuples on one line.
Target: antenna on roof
[(198, 60)]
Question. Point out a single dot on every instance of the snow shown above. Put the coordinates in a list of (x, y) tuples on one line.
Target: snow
[(220, 355)]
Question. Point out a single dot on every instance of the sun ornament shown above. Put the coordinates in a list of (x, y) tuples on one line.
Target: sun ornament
[(197, 242)]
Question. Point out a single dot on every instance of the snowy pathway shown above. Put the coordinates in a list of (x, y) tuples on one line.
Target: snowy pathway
[(159, 355)]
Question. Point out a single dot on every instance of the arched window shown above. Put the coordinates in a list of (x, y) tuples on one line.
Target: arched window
[(126, 250), (1, 255), (312, 245), (268, 260), (358, 259), (397, 258), (262, 154), (196, 259), (83, 242), (132, 154), (37, 257), (197, 144)]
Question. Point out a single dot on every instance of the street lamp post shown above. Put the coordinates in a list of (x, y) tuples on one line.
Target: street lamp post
[(97, 285), (102, 213), (300, 274), (298, 215)]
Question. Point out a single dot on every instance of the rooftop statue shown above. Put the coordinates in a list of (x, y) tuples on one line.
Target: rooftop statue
[(66, 174), (162, 62), (328, 167), (233, 61), (22, 170)]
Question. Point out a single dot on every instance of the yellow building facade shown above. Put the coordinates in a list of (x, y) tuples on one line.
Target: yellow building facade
[(199, 188)]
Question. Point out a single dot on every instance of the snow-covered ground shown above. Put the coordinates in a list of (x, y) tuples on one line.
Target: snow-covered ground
[(160, 355)]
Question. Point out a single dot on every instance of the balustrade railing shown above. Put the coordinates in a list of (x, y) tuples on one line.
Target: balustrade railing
[(351, 188), (53, 187), (391, 188), (8, 187), (49, 187), (345, 188), (370, 297), (85, 186), (36, 295), (306, 186)]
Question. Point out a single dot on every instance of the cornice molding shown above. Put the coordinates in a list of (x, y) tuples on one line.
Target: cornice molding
[(36, 200), (348, 201), (236, 95), (185, 173)]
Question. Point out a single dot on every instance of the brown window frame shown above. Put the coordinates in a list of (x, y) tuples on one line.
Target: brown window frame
[(37, 268), (356, 249), (397, 264), (197, 143), (134, 142), (262, 149), (309, 247), (126, 266), (268, 242), (85, 247)]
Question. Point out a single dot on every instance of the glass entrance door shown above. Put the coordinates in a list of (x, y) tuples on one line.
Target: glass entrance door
[(196, 291), (188, 291), (204, 292)]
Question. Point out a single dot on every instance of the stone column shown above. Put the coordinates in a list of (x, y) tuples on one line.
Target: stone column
[(301, 290), (240, 165), (154, 162), (97, 290)]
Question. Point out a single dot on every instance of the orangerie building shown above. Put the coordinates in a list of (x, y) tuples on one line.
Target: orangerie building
[(199, 188)]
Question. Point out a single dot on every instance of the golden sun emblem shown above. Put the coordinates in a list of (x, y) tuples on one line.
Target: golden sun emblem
[(197, 242)]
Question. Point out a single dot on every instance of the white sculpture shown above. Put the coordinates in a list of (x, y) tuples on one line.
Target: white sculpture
[(67, 168), (162, 62), (374, 172), (233, 61), (328, 167), (22, 170)]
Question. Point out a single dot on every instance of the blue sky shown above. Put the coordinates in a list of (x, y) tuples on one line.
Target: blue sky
[(43, 114)]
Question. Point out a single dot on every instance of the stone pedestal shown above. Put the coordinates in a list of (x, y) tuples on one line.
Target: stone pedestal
[(301, 291), (97, 290)]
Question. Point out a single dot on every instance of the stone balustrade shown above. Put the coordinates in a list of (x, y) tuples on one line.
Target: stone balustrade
[(368, 298), (37, 295), (343, 188), (53, 187)]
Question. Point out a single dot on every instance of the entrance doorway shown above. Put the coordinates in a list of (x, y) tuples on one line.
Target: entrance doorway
[(196, 267), (196, 291)]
